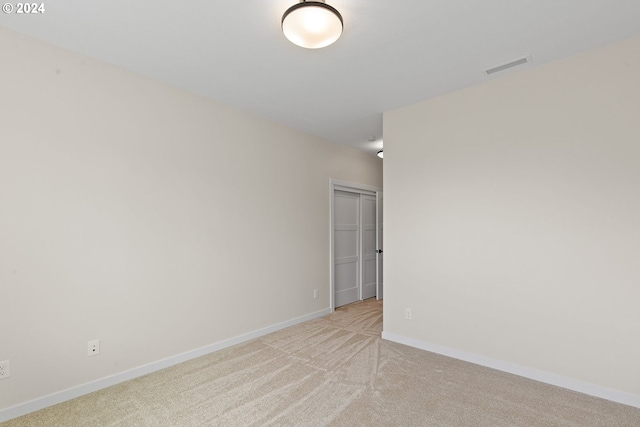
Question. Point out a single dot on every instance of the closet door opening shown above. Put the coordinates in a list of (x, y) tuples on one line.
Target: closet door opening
[(355, 251)]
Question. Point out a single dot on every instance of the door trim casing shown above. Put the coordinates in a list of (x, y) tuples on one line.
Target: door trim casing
[(337, 184)]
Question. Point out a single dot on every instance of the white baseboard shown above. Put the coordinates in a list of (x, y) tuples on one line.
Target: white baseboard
[(512, 368), (73, 392)]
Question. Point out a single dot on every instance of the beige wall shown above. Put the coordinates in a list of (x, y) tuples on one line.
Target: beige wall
[(152, 219), (512, 219)]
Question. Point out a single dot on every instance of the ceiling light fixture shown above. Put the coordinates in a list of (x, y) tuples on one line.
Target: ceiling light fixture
[(312, 24), (380, 154)]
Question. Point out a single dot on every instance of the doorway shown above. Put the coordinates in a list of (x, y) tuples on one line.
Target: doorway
[(356, 243)]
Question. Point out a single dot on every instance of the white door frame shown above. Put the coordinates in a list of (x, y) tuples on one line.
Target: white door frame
[(353, 187)]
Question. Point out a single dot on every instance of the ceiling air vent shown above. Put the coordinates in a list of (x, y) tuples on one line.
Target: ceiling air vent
[(508, 65)]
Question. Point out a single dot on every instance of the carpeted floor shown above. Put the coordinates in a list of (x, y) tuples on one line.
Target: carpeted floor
[(333, 371)]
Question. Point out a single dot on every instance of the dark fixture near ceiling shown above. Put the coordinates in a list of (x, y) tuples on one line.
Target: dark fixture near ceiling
[(312, 24)]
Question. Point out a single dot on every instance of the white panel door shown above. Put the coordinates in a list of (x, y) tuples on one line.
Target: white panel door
[(380, 234), (369, 265), (346, 238)]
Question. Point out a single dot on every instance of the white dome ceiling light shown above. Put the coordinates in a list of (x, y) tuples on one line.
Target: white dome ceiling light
[(380, 154), (312, 24)]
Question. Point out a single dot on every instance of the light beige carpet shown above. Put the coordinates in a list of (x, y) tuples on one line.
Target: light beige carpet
[(333, 371)]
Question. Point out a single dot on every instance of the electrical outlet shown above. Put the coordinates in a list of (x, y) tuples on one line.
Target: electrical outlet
[(5, 369), (94, 348), (315, 293), (407, 313)]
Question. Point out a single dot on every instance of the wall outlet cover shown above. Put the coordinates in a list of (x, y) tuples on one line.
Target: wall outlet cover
[(93, 348), (5, 369)]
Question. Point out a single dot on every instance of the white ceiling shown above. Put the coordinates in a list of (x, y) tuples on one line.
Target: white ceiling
[(391, 54)]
